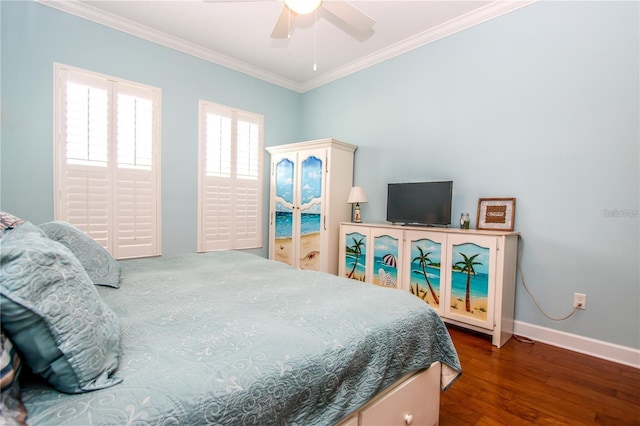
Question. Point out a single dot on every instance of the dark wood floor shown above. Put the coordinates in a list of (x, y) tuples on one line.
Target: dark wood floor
[(537, 384)]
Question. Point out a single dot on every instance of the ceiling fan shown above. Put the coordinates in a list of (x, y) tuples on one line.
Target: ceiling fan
[(354, 19)]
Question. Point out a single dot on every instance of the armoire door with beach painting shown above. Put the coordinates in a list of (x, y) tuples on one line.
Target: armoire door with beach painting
[(308, 198), (299, 186)]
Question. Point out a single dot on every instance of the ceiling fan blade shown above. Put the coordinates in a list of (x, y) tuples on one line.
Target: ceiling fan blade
[(349, 14), (281, 29), (233, 1)]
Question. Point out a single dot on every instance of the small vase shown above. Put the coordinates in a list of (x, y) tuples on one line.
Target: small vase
[(464, 221)]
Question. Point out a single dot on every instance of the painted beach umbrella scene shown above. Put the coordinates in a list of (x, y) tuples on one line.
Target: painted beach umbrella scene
[(390, 260), (385, 254), (384, 277)]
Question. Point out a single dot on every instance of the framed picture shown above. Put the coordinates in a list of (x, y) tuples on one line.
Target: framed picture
[(496, 214)]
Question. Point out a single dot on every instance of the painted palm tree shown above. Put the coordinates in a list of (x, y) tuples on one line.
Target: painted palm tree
[(466, 265), (424, 261), (356, 249)]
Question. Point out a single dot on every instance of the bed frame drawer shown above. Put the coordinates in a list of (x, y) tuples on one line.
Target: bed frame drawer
[(414, 401), (407, 404)]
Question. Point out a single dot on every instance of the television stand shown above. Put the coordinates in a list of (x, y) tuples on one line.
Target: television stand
[(467, 275)]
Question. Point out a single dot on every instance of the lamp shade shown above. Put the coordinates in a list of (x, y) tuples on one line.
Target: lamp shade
[(303, 7), (357, 195)]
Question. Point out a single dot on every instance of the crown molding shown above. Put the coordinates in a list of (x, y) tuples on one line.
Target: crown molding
[(482, 14), (119, 23), (478, 16)]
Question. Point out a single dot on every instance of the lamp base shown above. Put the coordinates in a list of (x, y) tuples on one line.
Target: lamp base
[(356, 214)]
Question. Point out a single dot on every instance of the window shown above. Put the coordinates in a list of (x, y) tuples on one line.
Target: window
[(229, 187), (106, 160)]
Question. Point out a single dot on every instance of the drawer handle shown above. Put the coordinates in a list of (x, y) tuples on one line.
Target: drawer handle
[(408, 419)]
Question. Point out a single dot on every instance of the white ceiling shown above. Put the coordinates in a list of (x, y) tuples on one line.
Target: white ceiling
[(237, 33)]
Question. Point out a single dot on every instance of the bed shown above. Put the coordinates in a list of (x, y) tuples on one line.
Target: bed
[(228, 338)]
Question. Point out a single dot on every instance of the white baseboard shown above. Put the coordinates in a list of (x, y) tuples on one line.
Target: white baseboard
[(573, 342)]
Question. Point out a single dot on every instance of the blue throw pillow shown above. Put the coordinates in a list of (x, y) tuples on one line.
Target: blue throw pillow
[(54, 315), (102, 268)]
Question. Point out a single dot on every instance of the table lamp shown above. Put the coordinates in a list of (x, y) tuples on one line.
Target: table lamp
[(357, 196)]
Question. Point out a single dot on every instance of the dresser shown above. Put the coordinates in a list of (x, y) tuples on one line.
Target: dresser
[(468, 276)]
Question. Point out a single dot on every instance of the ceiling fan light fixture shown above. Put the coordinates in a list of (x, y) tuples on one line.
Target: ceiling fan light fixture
[(303, 7)]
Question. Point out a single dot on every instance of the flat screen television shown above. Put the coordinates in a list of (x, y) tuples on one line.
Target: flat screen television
[(421, 203)]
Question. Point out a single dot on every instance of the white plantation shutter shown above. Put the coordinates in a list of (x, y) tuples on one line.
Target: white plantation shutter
[(230, 158), (246, 215), (107, 160), (136, 214), (84, 178), (136, 204), (85, 202)]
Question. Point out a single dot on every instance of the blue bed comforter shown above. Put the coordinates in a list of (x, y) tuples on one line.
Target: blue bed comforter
[(229, 338)]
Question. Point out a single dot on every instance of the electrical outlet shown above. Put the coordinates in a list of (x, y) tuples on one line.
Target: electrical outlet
[(579, 301)]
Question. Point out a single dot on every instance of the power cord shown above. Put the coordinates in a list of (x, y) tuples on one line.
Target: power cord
[(524, 339), (524, 284)]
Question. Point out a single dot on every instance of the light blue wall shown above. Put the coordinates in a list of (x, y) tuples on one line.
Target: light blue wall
[(35, 36), (540, 104)]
